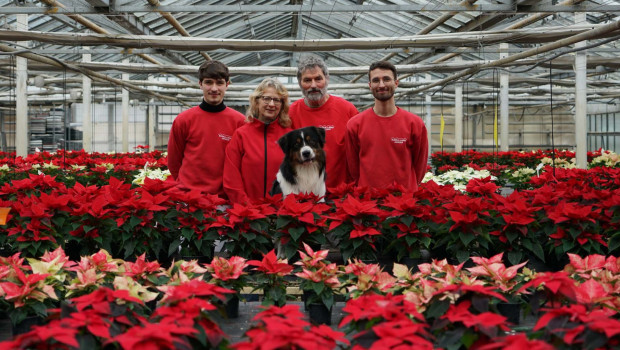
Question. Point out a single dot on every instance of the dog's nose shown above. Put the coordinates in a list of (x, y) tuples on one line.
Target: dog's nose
[(306, 154)]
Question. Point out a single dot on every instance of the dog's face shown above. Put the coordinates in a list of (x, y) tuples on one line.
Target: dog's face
[(305, 145)]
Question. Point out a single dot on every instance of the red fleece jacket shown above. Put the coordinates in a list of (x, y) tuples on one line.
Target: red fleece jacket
[(332, 116), (253, 158), (383, 150), (196, 147)]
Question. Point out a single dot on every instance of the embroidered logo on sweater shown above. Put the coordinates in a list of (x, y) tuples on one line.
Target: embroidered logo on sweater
[(224, 137), (399, 140), (326, 127)]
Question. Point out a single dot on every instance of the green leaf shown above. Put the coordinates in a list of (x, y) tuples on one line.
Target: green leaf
[(407, 220), (567, 246), (462, 255), (258, 226), (468, 339), (174, 246), (127, 236), (538, 251), (187, 232), (296, 232), (357, 243), (614, 243), (515, 256), (328, 300), (437, 309), (466, 238), (129, 246), (411, 240), (58, 220), (511, 235), (282, 221), (318, 287), (133, 221)]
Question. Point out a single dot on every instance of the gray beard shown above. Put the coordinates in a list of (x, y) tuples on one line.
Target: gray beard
[(314, 97)]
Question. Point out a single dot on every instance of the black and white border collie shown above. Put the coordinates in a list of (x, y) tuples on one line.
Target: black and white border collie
[(303, 167)]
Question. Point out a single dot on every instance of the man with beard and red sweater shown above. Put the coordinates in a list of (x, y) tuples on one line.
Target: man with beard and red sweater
[(319, 108), (386, 144), (199, 135)]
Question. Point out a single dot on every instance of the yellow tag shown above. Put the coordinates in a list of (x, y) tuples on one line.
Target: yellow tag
[(441, 127), (495, 127), (4, 212)]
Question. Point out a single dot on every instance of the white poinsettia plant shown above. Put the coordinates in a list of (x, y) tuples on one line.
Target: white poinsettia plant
[(151, 173), (607, 158), (458, 179)]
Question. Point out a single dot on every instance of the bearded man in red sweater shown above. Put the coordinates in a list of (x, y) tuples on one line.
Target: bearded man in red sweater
[(319, 108), (386, 144), (199, 135)]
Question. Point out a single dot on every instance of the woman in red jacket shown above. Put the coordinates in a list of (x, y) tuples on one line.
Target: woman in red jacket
[(253, 155)]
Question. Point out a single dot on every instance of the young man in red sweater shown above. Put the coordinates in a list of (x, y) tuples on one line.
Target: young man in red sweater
[(199, 135), (319, 108), (386, 144)]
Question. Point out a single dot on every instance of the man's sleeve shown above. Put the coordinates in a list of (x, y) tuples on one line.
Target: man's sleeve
[(353, 151), (420, 152), (176, 148), (233, 181)]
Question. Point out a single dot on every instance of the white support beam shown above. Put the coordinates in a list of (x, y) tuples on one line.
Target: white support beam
[(22, 140), (152, 126), (125, 111), (504, 101), (458, 115), (87, 130), (581, 129), (428, 120)]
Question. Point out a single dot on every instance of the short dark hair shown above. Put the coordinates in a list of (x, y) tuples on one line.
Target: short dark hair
[(382, 65), (309, 62), (213, 70)]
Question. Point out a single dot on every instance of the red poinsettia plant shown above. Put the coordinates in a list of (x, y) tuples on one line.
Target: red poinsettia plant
[(269, 276), (300, 219), (246, 229), (355, 226), (285, 328), (389, 321)]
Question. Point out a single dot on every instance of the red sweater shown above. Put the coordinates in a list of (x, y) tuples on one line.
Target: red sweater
[(383, 150), (333, 117), (253, 158), (196, 147)]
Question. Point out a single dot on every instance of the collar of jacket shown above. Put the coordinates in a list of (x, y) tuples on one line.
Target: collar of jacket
[(211, 108)]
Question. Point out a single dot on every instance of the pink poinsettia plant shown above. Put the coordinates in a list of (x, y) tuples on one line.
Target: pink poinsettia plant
[(319, 277), (229, 273)]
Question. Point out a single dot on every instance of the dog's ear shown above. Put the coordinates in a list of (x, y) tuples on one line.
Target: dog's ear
[(321, 133), (283, 142)]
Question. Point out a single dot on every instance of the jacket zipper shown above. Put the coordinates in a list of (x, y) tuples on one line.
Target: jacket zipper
[(265, 167)]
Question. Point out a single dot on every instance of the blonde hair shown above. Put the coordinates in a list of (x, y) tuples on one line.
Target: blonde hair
[(283, 119)]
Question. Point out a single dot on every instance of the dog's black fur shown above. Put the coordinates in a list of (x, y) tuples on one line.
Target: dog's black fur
[(303, 167)]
